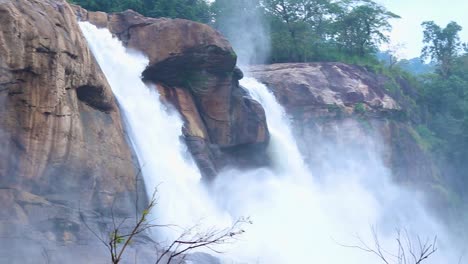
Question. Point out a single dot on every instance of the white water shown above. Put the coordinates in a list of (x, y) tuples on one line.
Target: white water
[(154, 131), (300, 220), (295, 218)]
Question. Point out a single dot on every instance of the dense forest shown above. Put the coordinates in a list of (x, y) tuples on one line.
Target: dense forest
[(300, 30), (352, 31)]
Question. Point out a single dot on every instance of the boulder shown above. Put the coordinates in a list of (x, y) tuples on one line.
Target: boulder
[(193, 66)]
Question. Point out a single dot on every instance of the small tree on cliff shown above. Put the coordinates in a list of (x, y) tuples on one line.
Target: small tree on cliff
[(119, 238)]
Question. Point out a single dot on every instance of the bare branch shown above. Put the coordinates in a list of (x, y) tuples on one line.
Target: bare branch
[(406, 252)]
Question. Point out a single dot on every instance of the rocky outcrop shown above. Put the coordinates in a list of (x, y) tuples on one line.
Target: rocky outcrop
[(64, 150), (344, 106), (299, 86), (194, 69)]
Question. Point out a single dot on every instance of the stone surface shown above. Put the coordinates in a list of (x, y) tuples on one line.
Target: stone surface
[(346, 108), (301, 85), (173, 46), (63, 147)]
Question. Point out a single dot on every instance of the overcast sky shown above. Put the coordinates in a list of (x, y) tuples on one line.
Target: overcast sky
[(408, 30)]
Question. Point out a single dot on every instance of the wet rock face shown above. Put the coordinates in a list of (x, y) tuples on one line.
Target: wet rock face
[(301, 85), (194, 69), (340, 106), (63, 145)]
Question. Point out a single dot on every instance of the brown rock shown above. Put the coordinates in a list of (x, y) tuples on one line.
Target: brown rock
[(323, 100), (195, 68), (63, 145), (298, 85)]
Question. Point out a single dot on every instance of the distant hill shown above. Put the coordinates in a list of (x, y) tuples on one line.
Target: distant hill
[(415, 65)]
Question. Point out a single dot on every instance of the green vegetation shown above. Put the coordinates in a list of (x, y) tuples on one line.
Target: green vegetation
[(314, 30), (197, 10), (444, 102), (442, 45), (360, 108), (300, 30)]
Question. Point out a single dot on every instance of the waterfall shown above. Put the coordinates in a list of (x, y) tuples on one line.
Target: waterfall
[(282, 139), (155, 133), (296, 219), (301, 219)]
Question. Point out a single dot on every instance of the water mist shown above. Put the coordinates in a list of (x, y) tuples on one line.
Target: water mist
[(241, 21), (298, 217)]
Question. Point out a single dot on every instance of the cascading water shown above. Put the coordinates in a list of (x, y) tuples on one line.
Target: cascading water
[(299, 219), (295, 218), (154, 131), (282, 139)]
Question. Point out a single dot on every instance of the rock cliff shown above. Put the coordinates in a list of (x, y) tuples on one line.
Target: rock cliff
[(65, 163), (344, 104), (63, 148), (64, 152), (193, 67)]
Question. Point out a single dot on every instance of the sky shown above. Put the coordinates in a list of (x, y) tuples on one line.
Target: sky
[(408, 31)]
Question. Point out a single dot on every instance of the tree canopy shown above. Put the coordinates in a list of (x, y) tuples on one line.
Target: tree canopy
[(317, 30), (196, 10), (298, 30), (442, 45)]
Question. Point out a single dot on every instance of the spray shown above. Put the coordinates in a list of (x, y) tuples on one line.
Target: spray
[(296, 217)]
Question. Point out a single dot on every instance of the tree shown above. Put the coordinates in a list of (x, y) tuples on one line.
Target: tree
[(121, 236), (442, 45), (196, 10), (309, 30), (289, 12), (362, 26), (306, 23), (409, 251), (444, 99)]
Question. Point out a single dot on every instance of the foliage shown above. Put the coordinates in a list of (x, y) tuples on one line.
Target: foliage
[(361, 29), (299, 26), (121, 236), (360, 108), (445, 104), (309, 30), (197, 10), (299, 30), (416, 66), (426, 138), (442, 45)]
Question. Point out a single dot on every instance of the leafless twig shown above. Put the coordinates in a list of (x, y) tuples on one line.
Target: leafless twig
[(410, 251)]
